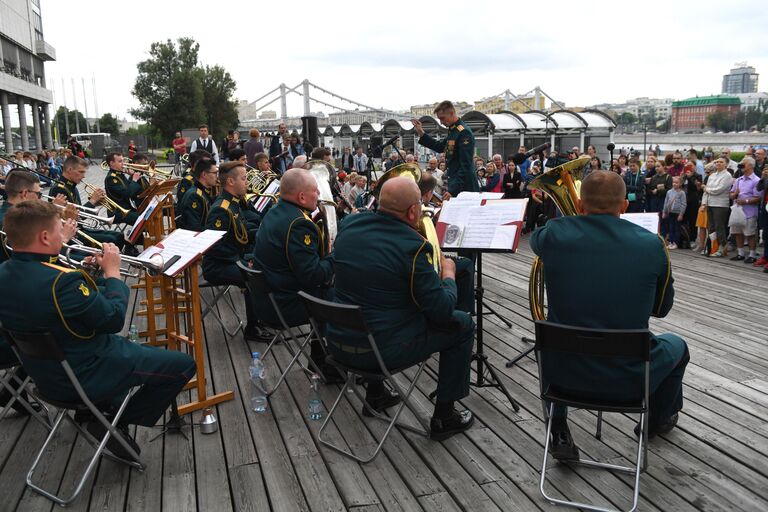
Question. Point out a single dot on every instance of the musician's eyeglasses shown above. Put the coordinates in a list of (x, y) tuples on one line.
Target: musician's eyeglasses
[(38, 193), (420, 202)]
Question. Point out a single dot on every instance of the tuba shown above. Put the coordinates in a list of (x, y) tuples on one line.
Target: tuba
[(426, 225), (562, 184), (322, 171)]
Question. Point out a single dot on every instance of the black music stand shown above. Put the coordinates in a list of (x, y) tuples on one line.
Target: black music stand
[(481, 381)]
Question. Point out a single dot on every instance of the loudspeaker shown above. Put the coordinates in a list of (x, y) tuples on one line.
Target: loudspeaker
[(309, 130), (376, 142)]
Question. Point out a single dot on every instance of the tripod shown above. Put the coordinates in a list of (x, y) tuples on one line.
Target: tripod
[(174, 425), (492, 380)]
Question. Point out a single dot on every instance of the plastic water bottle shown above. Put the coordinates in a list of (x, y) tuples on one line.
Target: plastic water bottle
[(315, 404), (133, 334), (258, 386)]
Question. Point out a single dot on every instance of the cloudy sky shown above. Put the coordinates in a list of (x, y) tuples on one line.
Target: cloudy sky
[(399, 53)]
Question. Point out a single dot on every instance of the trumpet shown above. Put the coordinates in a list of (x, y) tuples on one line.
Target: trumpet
[(85, 209), (154, 266), (149, 169), (88, 219), (108, 203), (90, 267)]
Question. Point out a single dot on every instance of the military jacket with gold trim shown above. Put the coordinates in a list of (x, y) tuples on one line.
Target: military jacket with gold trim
[(385, 265), (194, 207), (290, 252), (82, 314), (5, 253), (187, 182), (459, 149), (121, 189), (69, 189), (225, 215)]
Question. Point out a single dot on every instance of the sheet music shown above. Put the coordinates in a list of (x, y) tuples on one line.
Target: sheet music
[(145, 215), (469, 223), (262, 202), (647, 220), (186, 244)]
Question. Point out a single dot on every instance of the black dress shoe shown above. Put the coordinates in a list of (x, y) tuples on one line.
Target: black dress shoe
[(380, 403), (738, 257), (750, 259), (257, 334), (661, 428), (457, 422), (562, 446), (22, 411), (97, 430)]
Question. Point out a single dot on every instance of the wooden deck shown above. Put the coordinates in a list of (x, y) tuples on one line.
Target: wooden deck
[(716, 460)]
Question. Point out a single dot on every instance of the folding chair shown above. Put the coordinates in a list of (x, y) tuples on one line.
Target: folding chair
[(256, 283), (11, 382), (351, 317), (218, 292), (43, 347), (608, 344)]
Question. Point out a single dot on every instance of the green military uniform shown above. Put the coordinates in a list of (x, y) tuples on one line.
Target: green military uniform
[(5, 253), (290, 250), (627, 280), (385, 266), (69, 189), (220, 261), (187, 182), (122, 190), (194, 207), (459, 149), (83, 315)]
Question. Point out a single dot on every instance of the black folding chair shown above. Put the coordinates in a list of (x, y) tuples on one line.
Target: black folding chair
[(256, 283), (16, 386), (351, 317), (608, 344), (218, 292), (43, 347)]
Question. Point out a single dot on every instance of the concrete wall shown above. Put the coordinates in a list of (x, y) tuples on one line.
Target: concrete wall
[(14, 22)]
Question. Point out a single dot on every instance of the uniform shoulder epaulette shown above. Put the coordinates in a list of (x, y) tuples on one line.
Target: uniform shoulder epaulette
[(199, 192), (225, 204), (58, 267), (459, 127), (113, 174), (189, 177)]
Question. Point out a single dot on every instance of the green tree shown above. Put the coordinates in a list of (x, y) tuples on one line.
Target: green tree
[(108, 124), (626, 118), (721, 121), (70, 115), (169, 87), (218, 100)]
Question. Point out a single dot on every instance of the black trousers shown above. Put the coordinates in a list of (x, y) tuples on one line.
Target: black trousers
[(227, 273)]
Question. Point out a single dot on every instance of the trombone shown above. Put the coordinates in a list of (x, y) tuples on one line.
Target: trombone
[(154, 266), (108, 203)]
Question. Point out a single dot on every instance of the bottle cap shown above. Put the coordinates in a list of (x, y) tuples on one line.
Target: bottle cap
[(255, 355)]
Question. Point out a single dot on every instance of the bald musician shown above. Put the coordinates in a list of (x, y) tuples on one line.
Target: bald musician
[(384, 265), (608, 294), (291, 252)]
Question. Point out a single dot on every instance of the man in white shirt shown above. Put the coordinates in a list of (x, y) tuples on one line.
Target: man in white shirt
[(361, 161), (205, 142)]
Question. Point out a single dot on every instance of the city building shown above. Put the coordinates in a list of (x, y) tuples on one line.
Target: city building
[(268, 114), (428, 109), (351, 117), (657, 109), (23, 52), (519, 106), (692, 114), (752, 99), (742, 79)]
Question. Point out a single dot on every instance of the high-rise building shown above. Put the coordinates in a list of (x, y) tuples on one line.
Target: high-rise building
[(742, 79), (23, 50)]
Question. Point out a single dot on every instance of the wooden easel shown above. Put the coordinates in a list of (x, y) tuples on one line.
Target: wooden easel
[(178, 305)]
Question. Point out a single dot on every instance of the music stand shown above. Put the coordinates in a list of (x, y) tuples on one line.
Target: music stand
[(452, 231)]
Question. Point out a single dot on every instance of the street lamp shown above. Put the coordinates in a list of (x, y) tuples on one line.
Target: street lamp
[(645, 141)]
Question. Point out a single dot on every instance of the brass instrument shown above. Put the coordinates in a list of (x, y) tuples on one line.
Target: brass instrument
[(84, 218), (562, 184), (322, 172), (426, 225), (85, 209), (151, 169), (108, 203), (258, 181), (154, 266)]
